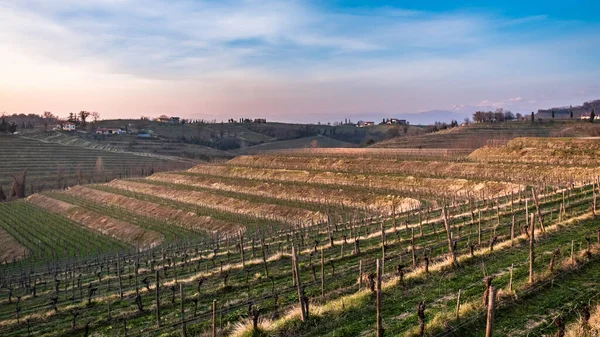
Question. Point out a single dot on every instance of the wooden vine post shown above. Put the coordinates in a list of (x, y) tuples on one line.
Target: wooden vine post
[(448, 237), (511, 278), (242, 249), (182, 308), (157, 300), (531, 248), (539, 212), (458, 305), (322, 274), (214, 318), (479, 227), (412, 248), (489, 330), (512, 231), (120, 280), (299, 284), (382, 246), (379, 298), (359, 274), (526, 212)]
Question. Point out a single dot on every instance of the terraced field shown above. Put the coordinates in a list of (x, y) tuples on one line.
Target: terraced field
[(476, 135), (50, 165), (205, 251)]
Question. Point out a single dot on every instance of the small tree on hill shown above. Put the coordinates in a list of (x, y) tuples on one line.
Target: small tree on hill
[(532, 117), (592, 116), (17, 189), (47, 117), (571, 113), (96, 116), (552, 113), (83, 115)]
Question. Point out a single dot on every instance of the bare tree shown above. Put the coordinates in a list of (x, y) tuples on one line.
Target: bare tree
[(83, 115), (48, 116), (17, 189), (95, 115)]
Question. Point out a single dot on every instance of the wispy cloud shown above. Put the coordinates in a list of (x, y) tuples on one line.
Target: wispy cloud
[(280, 57)]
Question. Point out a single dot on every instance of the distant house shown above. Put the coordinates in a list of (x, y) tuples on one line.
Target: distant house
[(260, 120), (110, 131), (68, 127), (396, 121), (174, 120), (362, 124), (163, 119)]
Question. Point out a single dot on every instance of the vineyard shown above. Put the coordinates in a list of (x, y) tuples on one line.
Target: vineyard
[(315, 242), (55, 166), (476, 135)]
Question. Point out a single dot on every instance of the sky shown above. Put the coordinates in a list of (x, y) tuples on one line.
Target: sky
[(295, 61)]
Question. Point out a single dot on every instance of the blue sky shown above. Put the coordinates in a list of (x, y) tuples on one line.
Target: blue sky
[(295, 60)]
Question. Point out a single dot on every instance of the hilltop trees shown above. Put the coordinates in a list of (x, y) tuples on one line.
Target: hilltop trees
[(493, 116)]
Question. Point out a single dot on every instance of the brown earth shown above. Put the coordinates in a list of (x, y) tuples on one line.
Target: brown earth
[(11, 250), (525, 173), (407, 184), (550, 151), (289, 215), (188, 220), (106, 225), (377, 203)]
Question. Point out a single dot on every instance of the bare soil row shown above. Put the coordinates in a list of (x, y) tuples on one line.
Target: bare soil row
[(289, 215), (120, 230)]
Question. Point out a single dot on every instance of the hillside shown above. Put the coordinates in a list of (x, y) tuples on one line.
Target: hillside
[(299, 143), (50, 165), (475, 135), (154, 256), (132, 144), (565, 112), (583, 151), (236, 136)]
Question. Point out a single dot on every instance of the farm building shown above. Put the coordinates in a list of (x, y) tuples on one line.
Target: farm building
[(260, 120), (67, 127), (396, 121), (109, 131), (361, 124), (167, 119), (163, 119)]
